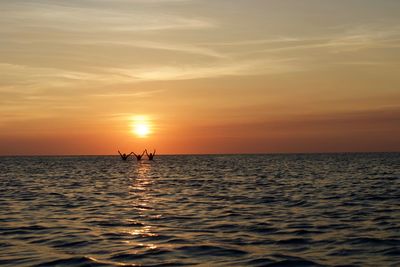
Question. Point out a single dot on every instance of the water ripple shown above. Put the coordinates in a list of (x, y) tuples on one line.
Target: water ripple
[(244, 210)]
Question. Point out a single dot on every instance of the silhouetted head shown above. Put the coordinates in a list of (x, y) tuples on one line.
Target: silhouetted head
[(124, 155)]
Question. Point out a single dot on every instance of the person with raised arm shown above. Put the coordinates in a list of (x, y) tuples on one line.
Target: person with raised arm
[(151, 155), (124, 156), (138, 156)]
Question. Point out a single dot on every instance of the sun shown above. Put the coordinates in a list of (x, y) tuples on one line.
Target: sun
[(142, 130), (140, 126)]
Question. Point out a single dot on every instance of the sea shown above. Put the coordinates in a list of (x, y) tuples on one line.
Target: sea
[(201, 210)]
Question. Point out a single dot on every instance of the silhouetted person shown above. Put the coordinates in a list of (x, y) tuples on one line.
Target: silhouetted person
[(124, 156), (138, 157), (151, 155)]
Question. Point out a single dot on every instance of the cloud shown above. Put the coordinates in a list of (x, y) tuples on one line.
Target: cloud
[(41, 77), (350, 40), (143, 44), (147, 93), (187, 72), (80, 18), (184, 48), (67, 44)]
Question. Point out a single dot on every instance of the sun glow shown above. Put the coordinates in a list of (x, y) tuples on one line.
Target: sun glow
[(140, 126)]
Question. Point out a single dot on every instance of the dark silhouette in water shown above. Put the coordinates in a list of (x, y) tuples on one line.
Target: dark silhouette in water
[(124, 156), (138, 157), (151, 155)]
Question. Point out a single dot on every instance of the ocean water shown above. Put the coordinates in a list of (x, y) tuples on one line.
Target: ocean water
[(227, 210)]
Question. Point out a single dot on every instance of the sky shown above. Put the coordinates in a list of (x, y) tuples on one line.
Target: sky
[(205, 76)]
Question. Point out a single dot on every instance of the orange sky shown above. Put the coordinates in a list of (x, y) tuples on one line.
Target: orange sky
[(209, 76)]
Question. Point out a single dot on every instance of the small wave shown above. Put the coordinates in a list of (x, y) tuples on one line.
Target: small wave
[(34, 228), (83, 261), (61, 244), (302, 232), (123, 256), (259, 262), (299, 203), (373, 241), (297, 263), (74, 261), (5, 245), (262, 228), (294, 241), (344, 252), (224, 226), (115, 223), (393, 252), (176, 241), (283, 260), (268, 200), (17, 232), (203, 250)]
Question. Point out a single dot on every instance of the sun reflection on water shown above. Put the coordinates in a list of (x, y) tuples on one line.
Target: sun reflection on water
[(146, 231), (141, 234)]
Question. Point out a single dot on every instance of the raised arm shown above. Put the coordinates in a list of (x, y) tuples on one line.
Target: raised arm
[(130, 154), (143, 153), (134, 154), (120, 153), (154, 152), (146, 152)]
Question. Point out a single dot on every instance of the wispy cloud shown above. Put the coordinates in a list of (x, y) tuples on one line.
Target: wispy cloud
[(40, 77), (186, 72), (349, 40), (93, 18), (147, 93), (143, 44), (84, 29)]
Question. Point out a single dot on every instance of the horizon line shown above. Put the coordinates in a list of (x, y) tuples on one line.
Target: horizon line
[(206, 154)]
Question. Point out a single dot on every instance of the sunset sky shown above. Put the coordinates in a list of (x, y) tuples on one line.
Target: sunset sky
[(205, 76)]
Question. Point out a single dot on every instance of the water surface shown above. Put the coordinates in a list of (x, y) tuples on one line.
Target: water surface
[(244, 210)]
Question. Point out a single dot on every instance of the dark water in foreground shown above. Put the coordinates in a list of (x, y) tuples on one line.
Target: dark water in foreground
[(260, 210)]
